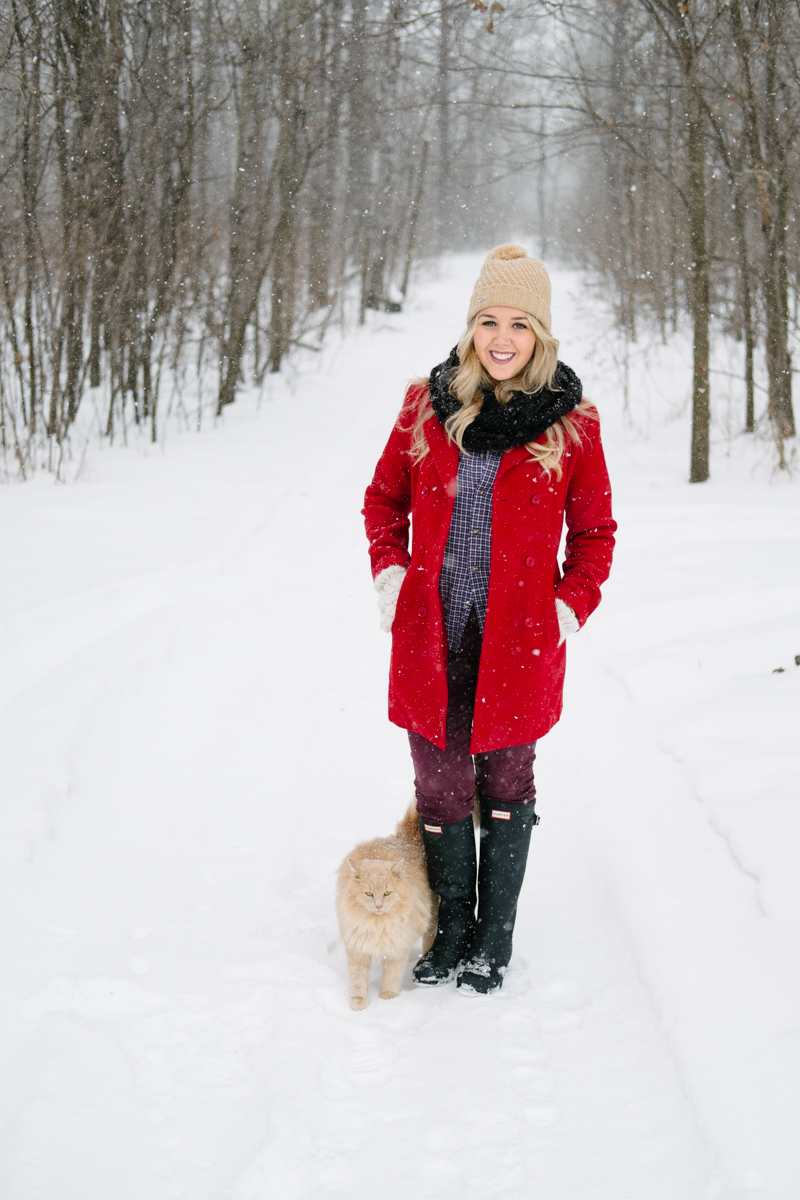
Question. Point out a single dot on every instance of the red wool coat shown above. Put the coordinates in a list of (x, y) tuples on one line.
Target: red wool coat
[(521, 675)]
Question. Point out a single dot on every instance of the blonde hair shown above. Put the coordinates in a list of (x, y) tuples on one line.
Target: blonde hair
[(470, 381)]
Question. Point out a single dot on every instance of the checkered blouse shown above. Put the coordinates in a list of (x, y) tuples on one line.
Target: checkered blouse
[(464, 580)]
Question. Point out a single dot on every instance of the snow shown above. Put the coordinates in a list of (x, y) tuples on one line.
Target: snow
[(194, 733)]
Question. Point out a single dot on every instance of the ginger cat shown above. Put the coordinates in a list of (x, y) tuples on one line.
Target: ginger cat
[(384, 903)]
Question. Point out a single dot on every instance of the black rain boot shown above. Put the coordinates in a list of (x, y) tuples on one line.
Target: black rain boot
[(452, 867), (505, 838)]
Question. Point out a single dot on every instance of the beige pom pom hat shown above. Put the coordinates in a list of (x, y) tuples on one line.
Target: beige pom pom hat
[(511, 278)]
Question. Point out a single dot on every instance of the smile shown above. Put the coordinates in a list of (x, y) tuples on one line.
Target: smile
[(502, 356)]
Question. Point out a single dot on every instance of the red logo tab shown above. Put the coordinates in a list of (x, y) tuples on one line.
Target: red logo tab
[(433, 828), (499, 814)]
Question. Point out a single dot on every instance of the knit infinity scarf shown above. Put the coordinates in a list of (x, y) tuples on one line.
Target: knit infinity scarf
[(521, 419)]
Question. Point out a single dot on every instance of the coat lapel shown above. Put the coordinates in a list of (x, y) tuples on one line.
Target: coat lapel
[(512, 458), (444, 452)]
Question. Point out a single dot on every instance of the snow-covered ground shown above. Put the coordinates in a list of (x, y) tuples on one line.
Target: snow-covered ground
[(193, 734)]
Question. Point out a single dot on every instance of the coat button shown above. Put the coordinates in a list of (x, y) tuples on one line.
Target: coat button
[(422, 612), (423, 491), (536, 499), (530, 561), (529, 622)]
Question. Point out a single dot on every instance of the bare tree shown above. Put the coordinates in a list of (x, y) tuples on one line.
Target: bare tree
[(203, 183), (679, 121)]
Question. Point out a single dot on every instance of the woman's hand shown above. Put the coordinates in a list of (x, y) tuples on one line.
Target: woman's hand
[(387, 584), (567, 621)]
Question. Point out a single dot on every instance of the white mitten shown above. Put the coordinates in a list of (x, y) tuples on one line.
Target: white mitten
[(567, 621), (387, 584)]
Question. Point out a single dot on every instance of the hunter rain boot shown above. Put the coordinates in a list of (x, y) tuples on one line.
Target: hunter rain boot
[(505, 840), (452, 868)]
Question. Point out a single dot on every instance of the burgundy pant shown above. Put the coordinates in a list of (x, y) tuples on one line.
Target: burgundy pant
[(445, 780)]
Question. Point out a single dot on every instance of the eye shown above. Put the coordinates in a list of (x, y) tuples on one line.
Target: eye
[(387, 893), (520, 325), (486, 324), (367, 893)]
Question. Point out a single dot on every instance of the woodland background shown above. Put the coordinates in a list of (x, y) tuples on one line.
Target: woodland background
[(274, 212), (192, 189)]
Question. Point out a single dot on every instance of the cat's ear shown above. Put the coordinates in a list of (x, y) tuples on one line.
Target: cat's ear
[(397, 869), (353, 869)]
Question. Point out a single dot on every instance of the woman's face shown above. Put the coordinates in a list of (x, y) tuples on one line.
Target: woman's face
[(503, 341)]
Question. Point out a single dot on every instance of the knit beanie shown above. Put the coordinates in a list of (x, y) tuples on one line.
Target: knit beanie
[(510, 278)]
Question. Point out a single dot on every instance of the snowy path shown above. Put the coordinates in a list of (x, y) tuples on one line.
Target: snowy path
[(193, 734)]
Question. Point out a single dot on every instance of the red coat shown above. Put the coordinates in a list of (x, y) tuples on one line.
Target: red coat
[(521, 675)]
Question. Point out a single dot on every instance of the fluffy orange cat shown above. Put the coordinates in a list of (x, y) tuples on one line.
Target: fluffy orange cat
[(384, 904)]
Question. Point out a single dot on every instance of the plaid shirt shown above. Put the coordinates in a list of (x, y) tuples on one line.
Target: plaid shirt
[(464, 580)]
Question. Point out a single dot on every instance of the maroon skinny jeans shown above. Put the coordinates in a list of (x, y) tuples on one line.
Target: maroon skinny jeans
[(445, 780)]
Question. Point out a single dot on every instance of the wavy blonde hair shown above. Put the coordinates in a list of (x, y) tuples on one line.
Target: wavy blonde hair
[(470, 381)]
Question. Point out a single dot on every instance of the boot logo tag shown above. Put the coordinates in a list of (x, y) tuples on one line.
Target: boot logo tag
[(433, 828), (501, 816)]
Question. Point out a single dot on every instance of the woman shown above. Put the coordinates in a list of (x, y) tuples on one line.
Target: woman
[(488, 458)]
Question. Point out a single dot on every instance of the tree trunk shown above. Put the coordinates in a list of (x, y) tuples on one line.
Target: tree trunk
[(284, 273), (445, 182), (774, 225), (699, 468)]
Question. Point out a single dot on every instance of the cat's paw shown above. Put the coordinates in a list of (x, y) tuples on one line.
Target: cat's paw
[(389, 995), (359, 1002)]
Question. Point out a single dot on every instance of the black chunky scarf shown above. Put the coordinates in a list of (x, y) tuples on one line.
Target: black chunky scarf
[(500, 426)]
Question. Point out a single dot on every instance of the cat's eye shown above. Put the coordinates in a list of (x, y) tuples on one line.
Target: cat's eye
[(368, 893), (387, 893)]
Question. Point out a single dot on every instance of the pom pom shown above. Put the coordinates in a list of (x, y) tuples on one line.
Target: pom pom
[(508, 251)]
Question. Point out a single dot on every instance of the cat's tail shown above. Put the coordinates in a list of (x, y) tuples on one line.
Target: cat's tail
[(408, 826)]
